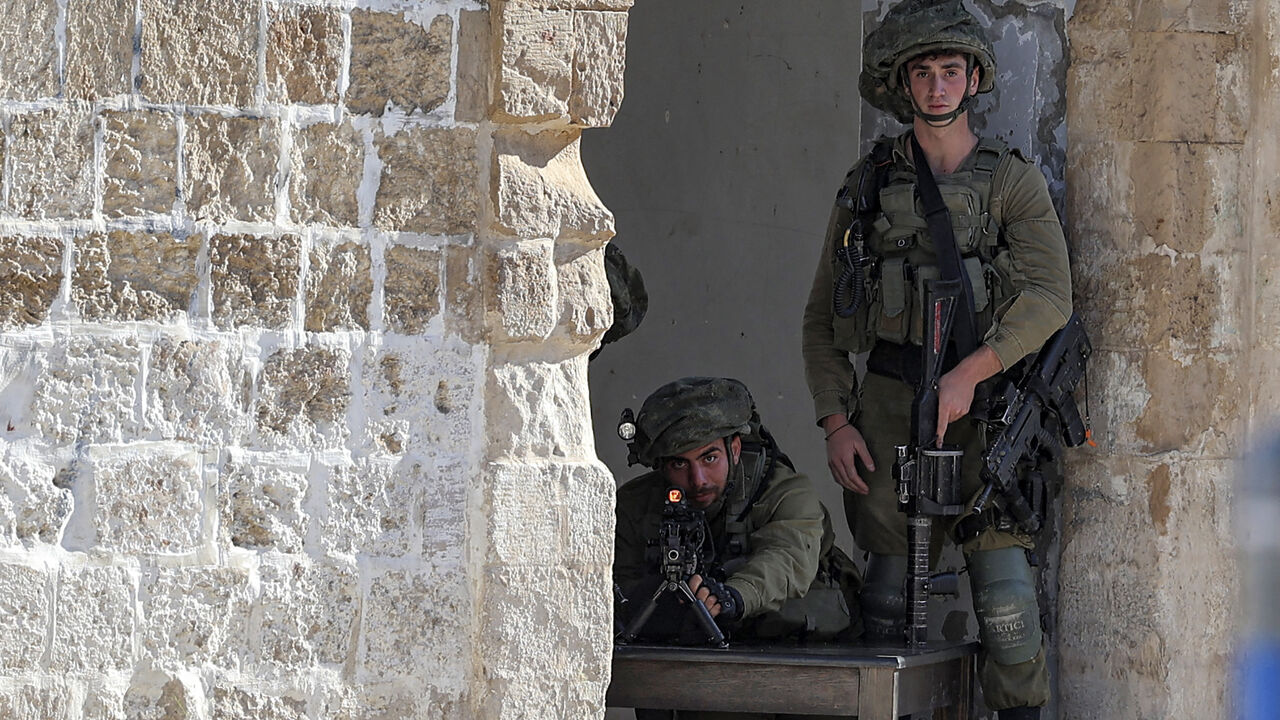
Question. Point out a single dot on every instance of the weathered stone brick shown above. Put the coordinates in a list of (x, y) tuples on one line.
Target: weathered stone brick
[(85, 391), (615, 5), (99, 48), (103, 701), (370, 505), (24, 617), (536, 75), (328, 165), (254, 279), (235, 703), (148, 498), (30, 276), (569, 520), (261, 504), (134, 276), (412, 288), (339, 287), (600, 45), (196, 391), (33, 510), (51, 156), (1100, 14), (586, 308), (540, 188), (427, 386), (422, 629), (475, 50), (1213, 16), (429, 181), (443, 514), (1197, 193), (196, 615), (308, 612), (392, 700), (303, 396), (94, 632), (304, 54), (28, 50), (231, 167), (537, 409), (199, 53), (141, 149), (394, 60), (521, 279), (1211, 83), (464, 293), (1100, 79), (155, 696), (43, 699)]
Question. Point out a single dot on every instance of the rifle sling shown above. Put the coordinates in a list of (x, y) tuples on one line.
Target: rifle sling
[(965, 331)]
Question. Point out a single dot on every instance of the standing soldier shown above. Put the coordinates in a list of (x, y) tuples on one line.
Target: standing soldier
[(925, 65)]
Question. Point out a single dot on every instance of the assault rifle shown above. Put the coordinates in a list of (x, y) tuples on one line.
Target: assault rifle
[(928, 475), (682, 545), (1029, 414)]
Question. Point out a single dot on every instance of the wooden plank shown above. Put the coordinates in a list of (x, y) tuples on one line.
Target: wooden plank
[(734, 687), (879, 697)]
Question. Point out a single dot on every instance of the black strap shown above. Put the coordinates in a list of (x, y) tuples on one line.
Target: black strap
[(965, 330)]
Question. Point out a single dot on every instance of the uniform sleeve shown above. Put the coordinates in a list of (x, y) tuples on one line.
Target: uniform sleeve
[(827, 369), (784, 547), (1038, 266), (629, 539)]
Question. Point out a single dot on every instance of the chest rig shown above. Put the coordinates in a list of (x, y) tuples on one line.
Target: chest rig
[(755, 463)]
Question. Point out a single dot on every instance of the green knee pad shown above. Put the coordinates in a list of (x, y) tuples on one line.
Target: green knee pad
[(882, 599), (1004, 599)]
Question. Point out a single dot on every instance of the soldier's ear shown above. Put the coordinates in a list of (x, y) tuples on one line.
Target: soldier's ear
[(735, 447)]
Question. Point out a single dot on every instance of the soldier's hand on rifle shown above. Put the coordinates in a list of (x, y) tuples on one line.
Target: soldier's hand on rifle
[(955, 388), (845, 446), (716, 596)]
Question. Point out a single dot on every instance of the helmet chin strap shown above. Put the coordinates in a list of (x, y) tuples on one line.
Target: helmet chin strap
[(945, 119)]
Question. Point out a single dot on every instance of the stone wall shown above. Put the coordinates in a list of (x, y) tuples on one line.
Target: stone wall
[(294, 305)]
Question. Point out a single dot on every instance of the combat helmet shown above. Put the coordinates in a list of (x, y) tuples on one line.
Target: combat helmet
[(684, 415), (912, 28)]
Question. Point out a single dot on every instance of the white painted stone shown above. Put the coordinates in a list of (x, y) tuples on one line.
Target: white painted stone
[(196, 392), (85, 392), (195, 615), (548, 514), (369, 505), (261, 504), (148, 498), (33, 510), (24, 618), (95, 622), (415, 626), (308, 612)]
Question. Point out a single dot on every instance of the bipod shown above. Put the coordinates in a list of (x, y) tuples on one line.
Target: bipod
[(714, 635)]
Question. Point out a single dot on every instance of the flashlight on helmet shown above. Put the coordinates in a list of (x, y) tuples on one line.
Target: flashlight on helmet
[(627, 425)]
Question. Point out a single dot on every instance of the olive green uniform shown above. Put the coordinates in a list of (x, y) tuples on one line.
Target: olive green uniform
[(1016, 258)]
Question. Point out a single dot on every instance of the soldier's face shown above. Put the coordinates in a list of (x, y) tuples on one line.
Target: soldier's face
[(939, 82), (702, 473)]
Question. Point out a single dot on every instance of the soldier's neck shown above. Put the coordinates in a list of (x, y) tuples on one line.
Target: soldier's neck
[(945, 147)]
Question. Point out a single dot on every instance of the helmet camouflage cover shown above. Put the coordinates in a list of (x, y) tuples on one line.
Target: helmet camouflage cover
[(912, 28), (688, 413)]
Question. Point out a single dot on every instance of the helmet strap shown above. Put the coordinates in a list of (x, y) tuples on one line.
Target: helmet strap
[(945, 119)]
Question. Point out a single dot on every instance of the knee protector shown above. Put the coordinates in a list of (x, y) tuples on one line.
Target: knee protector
[(884, 604), (1004, 599)]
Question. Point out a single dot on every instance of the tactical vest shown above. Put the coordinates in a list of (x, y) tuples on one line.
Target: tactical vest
[(901, 253)]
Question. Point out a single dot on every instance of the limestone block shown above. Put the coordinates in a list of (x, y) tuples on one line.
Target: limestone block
[(392, 700), (124, 276), (536, 74), (1205, 413), (616, 5), (328, 164), (231, 167), (1099, 14), (370, 506), (416, 625), (39, 700), (199, 53), (156, 696), (549, 514), (304, 54), (431, 387), (51, 156), (236, 703), (28, 49), (518, 600), (261, 504), (586, 308), (537, 409), (303, 396), (599, 59), (308, 613), (30, 276), (475, 52), (1100, 79), (339, 287), (103, 701), (99, 48), (443, 514), (1210, 16), (540, 189), (254, 279), (196, 391), (396, 61), (1213, 82), (1197, 193), (94, 631), (148, 498), (464, 293), (1117, 396), (412, 288), (24, 618), (33, 509), (429, 181), (195, 615), (141, 150), (521, 289), (85, 392)]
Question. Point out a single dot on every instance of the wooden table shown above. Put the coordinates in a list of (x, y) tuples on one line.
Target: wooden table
[(873, 683)]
